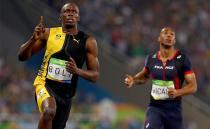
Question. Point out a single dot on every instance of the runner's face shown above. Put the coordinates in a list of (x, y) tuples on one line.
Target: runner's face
[(167, 37), (69, 15)]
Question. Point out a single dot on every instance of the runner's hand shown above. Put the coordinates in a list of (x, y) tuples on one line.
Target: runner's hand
[(172, 93), (71, 66), (39, 30), (129, 81)]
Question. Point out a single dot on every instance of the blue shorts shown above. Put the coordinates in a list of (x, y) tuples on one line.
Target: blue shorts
[(159, 118)]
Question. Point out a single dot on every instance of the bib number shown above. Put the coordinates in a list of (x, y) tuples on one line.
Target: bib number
[(57, 71), (160, 89)]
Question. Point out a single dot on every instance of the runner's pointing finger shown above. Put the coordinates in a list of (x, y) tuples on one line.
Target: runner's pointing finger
[(41, 22)]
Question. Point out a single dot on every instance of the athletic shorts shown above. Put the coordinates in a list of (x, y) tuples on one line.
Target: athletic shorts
[(158, 118), (63, 102)]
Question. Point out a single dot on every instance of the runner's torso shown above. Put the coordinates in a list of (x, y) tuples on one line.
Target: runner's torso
[(166, 75), (60, 47)]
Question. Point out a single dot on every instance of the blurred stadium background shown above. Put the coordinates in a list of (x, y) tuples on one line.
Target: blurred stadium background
[(126, 30)]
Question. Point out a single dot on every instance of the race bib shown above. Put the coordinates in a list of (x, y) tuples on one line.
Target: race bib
[(57, 71), (160, 89)]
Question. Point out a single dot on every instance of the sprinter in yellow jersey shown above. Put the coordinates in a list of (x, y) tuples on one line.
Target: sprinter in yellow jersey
[(67, 48)]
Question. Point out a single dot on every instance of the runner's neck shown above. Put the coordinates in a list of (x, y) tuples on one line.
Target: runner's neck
[(166, 54)]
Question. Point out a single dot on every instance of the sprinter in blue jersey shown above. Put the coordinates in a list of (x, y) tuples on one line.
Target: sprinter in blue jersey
[(168, 68)]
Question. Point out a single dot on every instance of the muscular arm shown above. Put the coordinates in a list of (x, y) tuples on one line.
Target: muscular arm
[(140, 78), (92, 71), (92, 62), (35, 43), (32, 46), (189, 87)]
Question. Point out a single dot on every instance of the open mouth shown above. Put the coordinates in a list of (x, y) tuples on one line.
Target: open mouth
[(69, 20)]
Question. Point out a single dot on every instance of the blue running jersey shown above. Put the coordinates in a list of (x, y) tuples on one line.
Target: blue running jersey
[(165, 112), (168, 75)]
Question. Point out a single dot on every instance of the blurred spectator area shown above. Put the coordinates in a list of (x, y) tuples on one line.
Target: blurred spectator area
[(128, 31)]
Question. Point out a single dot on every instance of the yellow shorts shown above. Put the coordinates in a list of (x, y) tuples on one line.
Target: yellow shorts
[(41, 92)]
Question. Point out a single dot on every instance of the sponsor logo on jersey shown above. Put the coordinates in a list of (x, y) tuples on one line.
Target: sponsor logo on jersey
[(178, 57), (57, 36)]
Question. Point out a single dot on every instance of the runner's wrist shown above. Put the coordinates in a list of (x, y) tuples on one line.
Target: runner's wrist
[(78, 71), (178, 93), (134, 80), (33, 39)]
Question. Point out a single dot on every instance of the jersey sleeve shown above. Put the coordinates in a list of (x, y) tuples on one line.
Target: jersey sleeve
[(187, 68)]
